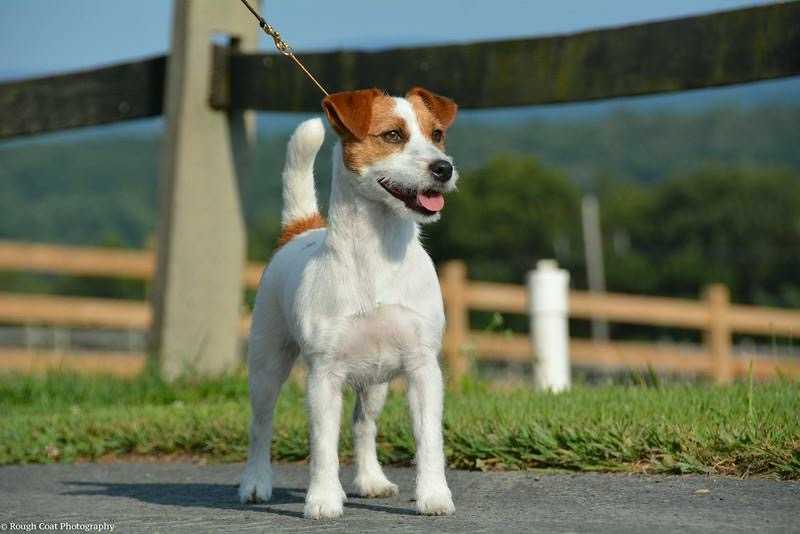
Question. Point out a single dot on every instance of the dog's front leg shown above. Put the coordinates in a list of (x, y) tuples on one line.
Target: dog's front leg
[(425, 399), (325, 496)]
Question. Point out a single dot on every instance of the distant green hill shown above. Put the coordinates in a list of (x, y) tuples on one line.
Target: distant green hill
[(103, 189)]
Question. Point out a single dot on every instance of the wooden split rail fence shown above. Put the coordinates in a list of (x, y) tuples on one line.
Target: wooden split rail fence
[(714, 315), (82, 312), (207, 94)]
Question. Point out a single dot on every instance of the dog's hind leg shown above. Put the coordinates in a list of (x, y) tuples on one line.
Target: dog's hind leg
[(270, 361), (370, 480)]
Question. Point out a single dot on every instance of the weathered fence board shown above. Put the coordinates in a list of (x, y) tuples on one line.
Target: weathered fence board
[(491, 346), (765, 321), (731, 47), (123, 364), (82, 312), (719, 49), (491, 296), (92, 261), (634, 309), (88, 98), (631, 355), (640, 356), (73, 311), (78, 261)]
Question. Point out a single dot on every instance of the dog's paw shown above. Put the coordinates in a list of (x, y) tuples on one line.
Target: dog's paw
[(256, 485), (324, 504), (378, 486), (438, 502)]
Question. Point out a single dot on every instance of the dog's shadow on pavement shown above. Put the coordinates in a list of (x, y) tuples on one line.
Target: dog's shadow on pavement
[(217, 496)]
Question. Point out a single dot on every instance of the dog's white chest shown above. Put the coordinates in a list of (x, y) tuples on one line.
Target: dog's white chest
[(376, 345)]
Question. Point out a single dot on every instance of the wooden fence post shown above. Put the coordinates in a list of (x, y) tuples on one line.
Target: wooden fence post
[(197, 295), (454, 286), (718, 335)]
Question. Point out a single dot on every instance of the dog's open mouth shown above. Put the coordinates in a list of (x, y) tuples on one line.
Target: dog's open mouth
[(427, 202)]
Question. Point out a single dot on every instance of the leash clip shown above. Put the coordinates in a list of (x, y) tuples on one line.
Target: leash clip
[(282, 46)]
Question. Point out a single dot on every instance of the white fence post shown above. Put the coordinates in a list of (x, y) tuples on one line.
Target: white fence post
[(548, 306)]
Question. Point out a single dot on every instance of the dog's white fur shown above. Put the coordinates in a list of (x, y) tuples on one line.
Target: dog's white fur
[(360, 300)]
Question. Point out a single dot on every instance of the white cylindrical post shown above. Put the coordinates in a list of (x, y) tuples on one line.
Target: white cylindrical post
[(548, 302)]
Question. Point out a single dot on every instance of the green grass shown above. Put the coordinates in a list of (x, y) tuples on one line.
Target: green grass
[(744, 430)]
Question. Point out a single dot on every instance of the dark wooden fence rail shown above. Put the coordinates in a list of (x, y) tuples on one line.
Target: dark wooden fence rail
[(706, 51), (720, 49), (89, 98)]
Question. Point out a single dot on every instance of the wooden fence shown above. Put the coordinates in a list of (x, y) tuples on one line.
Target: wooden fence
[(714, 315), (731, 47), (83, 312), (208, 93)]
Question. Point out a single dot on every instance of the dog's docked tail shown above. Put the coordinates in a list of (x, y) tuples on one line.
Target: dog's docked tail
[(300, 211)]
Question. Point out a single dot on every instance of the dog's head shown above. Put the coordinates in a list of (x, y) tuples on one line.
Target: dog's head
[(394, 148)]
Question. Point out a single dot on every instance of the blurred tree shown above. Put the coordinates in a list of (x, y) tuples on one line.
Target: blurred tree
[(505, 216), (625, 216), (735, 226), (262, 236), (724, 216)]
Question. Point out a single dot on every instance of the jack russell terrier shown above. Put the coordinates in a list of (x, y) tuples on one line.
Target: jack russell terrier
[(358, 299)]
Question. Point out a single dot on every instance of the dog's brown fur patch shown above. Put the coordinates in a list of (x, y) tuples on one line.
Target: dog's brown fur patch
[(350, 112), (426, 119), (441, 107), (358, 154), (360, 117), (300, 226)]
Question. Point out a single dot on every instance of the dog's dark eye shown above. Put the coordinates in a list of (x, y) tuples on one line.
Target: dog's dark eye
[(392, 136), (437, 136)]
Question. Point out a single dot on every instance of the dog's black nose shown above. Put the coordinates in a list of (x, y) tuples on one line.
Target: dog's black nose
[(441, 170)]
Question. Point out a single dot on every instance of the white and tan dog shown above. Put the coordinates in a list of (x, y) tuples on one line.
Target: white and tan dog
[(359, 300)]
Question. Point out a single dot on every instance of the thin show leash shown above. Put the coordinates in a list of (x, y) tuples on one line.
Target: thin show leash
[(282, 46)]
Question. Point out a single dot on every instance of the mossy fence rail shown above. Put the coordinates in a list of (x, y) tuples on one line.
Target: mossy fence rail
[(714, 315), (208, 94), (719, 49)]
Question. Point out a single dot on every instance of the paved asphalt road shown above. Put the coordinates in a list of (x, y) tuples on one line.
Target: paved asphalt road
[(185, 497)]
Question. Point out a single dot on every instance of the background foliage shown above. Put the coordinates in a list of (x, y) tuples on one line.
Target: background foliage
[(686, 198)]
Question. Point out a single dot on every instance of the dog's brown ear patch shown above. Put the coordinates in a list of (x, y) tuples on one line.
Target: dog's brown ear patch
[(350, 112), (443, 108)]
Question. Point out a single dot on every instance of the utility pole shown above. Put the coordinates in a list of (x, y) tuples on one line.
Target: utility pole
[(593, 246)]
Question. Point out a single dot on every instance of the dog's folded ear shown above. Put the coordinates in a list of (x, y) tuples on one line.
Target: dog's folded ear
[(350, 112), (442, 107)]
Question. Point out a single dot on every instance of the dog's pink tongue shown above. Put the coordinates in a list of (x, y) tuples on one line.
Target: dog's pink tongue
[(431, 201)]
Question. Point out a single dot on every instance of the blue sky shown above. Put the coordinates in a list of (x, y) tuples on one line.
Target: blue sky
[(46, 36)]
